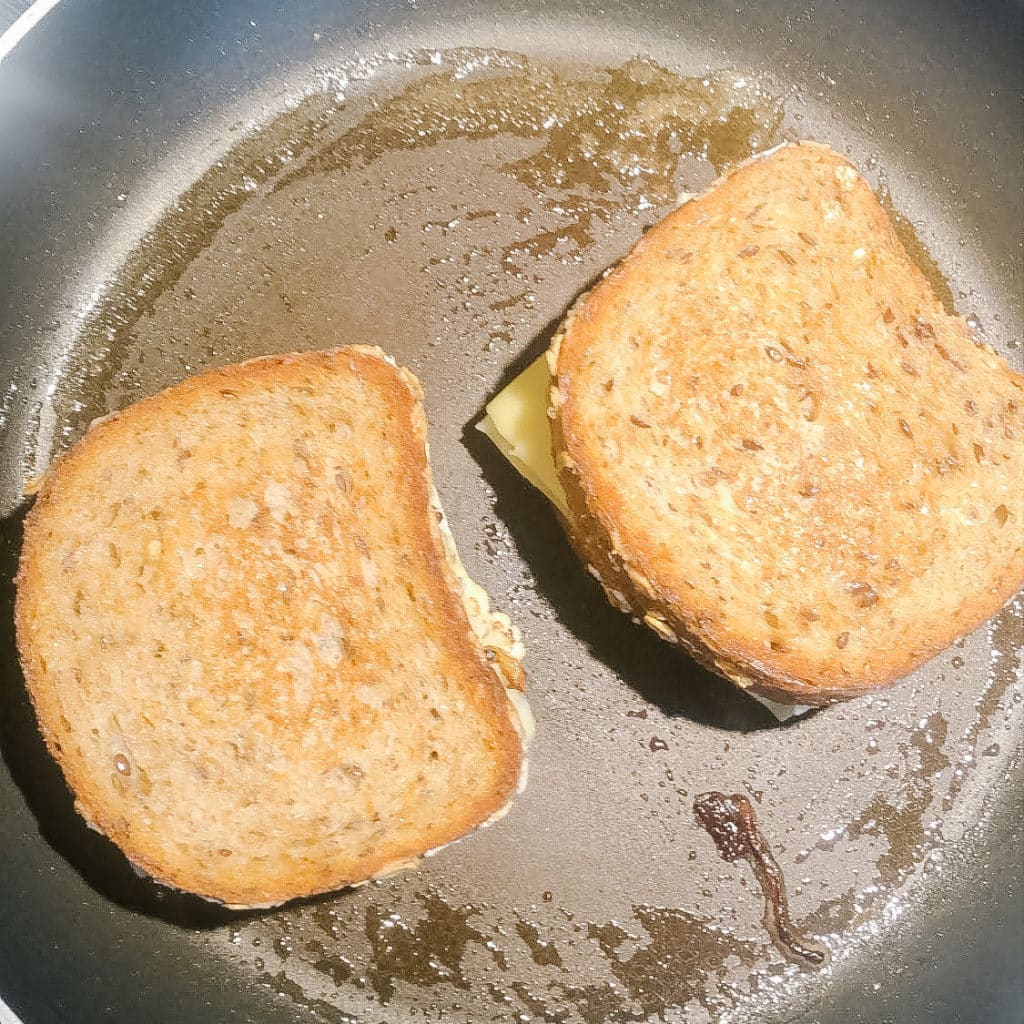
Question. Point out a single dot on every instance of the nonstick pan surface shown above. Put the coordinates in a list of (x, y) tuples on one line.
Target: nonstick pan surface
[(184, 188)]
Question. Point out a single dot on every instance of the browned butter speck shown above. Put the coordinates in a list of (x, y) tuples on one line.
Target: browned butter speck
[(731, 823)]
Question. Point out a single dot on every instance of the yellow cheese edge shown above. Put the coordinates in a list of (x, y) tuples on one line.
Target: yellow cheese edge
[(516, 420)]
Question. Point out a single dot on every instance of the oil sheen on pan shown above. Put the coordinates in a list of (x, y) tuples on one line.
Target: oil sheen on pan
[(449, 206)]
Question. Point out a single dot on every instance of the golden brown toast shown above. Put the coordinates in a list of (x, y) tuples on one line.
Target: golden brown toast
[(248, 638), (778, 449)]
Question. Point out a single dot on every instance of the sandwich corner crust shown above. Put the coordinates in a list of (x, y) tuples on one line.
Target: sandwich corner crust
[(778, 450)]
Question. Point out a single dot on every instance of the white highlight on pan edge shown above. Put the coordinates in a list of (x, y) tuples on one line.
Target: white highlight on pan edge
[(7, 1015), (8, 41), (17, 31)]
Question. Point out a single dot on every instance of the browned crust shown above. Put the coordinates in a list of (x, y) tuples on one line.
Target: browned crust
[(600, 532), (453, 631)]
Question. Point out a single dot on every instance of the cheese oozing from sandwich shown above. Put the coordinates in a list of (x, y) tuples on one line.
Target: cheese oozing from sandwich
[(516, 420)]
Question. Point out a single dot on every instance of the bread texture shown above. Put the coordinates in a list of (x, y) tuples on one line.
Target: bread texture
[(779, 450), (250, 643)]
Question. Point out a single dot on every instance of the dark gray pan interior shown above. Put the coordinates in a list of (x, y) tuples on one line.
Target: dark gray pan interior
[(183, 185)]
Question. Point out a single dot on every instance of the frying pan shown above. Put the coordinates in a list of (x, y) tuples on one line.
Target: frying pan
[(185, 184)]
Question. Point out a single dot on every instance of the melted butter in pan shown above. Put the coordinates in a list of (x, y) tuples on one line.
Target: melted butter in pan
[(570, 152), (450, 208)]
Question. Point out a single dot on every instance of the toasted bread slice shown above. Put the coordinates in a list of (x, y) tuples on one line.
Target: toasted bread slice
[(778, 449), (248, 638)]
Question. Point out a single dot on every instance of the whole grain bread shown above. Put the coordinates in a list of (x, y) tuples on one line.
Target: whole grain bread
[(779, 451), (248, 638)]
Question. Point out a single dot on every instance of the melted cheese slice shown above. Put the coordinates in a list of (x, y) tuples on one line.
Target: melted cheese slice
[(517, 422)]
